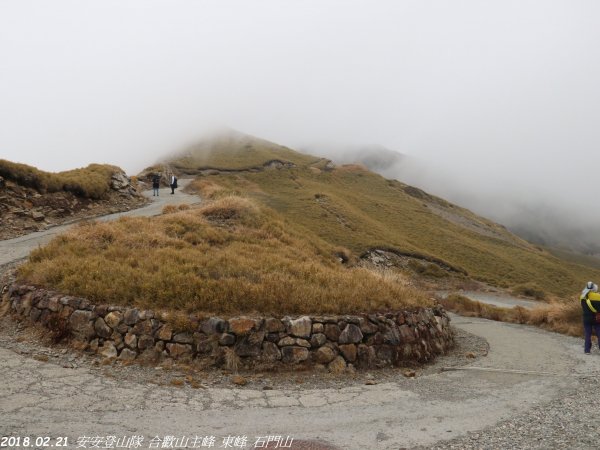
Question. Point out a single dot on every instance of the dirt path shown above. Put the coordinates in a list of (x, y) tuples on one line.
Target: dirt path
[(15, 249), (40, 398)]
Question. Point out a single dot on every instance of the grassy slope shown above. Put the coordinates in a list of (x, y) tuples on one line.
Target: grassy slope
[(358, 209), (236, 151), (92, 181), (228, 257)]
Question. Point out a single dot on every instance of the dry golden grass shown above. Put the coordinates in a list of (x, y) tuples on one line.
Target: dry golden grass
[(228, 257), (92, 181), (359, 210), (562, 317)]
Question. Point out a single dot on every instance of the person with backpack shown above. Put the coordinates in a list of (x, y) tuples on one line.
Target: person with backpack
[(155, 184), (590, 304), (173, 183)]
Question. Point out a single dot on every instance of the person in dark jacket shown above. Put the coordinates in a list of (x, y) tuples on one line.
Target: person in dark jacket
[(590, 304), (155, 184)]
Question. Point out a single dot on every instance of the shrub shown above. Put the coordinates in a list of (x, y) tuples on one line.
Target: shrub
[(529, 290), (92, 181)]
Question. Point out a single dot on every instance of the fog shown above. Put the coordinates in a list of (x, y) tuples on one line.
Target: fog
[(495, 103)]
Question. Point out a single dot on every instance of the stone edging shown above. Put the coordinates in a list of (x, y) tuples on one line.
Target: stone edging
[(363, 341)]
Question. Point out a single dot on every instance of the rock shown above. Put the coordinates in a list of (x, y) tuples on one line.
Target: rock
[(108, 350), (143, 327), (130, 340), (239, 380), (407, 334), (119, 181), (270, 352), (302, 343), (349, 352), (37, 216), (391, 335), (286, 341), (350, 335), (165, 332), (332, 331), (409, 373), (183, 338), (227, 339), (366, 326), (324, 355), (102, 329), (241, 326), (470, 355), (365, 356), (370, 382), (292, 355), (250, 345), (214, 325), (145, 341), (301, 327), (179, 350), (317, 328), (113, 319), (54, 304), (131, 316), (127, 355), (117, 339), (273, 325), (80, 323), (317, 340), (338, 365)]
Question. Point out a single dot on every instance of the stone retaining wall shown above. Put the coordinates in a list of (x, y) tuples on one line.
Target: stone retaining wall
[(337, 341)]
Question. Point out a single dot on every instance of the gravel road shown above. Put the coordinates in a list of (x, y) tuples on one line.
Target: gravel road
[(537, 396)]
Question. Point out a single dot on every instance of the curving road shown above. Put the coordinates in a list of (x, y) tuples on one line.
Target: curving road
[(43, 399)]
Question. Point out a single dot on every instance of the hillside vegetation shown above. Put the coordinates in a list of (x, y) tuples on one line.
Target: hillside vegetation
[(234, 151), (92, 181), (352, 207), (230, 256)]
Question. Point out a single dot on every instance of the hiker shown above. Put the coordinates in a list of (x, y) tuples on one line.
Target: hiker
[(173, 183), (590, 304), (155, 185)]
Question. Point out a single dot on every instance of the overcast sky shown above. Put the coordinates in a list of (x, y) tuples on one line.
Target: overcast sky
[(500, 95)]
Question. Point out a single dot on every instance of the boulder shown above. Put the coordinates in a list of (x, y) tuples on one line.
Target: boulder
[(241, 326), (165, 332), (324, 355), (81, 324), (273, 325), (293, 355), (227, 339), (300, 327), (127, 355), (179, 350), (250, 345), (270, 352), (317, 340), (348, 351), (350, 335), (102, 329), (338, 365), (113, 319), (332, 331), (108, 350), (214, 325), (131, 316), (183, 338)]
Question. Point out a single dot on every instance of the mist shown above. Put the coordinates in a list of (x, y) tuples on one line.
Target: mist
[(495, 103)]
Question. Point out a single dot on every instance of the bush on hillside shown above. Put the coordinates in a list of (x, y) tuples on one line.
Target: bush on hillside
[(92, 181)]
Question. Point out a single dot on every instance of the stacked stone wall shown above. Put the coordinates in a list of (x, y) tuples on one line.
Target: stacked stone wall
[(337, 341)]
